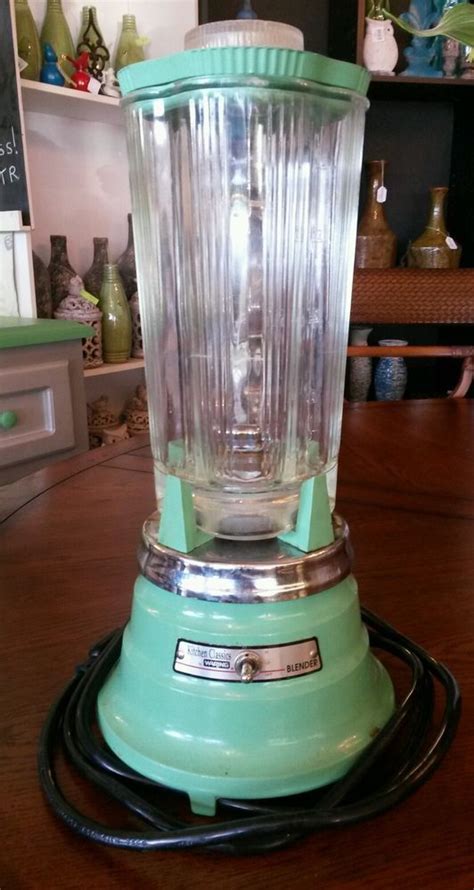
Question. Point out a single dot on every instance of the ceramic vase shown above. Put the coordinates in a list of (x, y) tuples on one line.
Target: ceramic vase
[(130, 46), (245, 11), (60, 269), (28, 40), (380, 50), (95, 274), (77, 308), (92, 41), (435, 248), (55, 31), (360, 369), (116, 319), (449, 53), (376, 245), (100, 417), (126, 263), (44, 303), (391, 374), (137, 337), (136, 412)]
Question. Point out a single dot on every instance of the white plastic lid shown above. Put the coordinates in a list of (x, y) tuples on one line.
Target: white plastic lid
[(244, 32)]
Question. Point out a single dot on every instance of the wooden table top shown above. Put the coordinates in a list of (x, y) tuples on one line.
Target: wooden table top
[(68, 564)]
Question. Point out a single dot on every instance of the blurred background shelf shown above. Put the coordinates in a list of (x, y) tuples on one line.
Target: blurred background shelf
[(67, 103), (133, 364)]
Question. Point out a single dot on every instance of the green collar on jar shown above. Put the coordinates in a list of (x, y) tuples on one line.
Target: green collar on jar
[(249, 61)]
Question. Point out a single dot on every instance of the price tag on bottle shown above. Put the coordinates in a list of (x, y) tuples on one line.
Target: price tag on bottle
[(451, 243), (89, 297), (378, 33), (381, 194)]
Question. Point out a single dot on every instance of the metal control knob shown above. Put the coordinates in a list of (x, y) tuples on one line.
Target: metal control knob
[(247, 664)]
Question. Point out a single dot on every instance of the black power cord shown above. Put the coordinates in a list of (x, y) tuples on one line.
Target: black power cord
[(401, 757)]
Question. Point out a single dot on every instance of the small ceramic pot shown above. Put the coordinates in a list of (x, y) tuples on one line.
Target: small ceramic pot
[(360, 369), (391, 374)]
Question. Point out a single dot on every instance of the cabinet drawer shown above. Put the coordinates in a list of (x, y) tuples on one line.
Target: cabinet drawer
[(40, 420)]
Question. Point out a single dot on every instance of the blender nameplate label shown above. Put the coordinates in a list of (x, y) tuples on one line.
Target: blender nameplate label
[(214, 662)]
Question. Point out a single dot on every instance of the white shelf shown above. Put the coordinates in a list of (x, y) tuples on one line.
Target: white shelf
[(65, 102), (133, 364)]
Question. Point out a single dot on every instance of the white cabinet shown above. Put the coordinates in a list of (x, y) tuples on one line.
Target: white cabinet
[(42, 398)]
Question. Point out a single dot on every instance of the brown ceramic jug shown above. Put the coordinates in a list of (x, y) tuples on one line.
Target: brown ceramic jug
[(435, 248), (376, 245)]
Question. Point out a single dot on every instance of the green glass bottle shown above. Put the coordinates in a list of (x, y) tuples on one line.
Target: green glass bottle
[(56, 31), (116, 318), (28, 40), (130, 45)]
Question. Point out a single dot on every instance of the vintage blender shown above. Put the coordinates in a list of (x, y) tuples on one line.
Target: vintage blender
[(244, 679), (245, 670)]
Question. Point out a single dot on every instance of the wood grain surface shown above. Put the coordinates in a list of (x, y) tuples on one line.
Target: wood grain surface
[(68, 547)]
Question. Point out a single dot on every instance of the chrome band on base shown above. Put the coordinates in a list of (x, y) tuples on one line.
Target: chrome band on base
[(265, 571)]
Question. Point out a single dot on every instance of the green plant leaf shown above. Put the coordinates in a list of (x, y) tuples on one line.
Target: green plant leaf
[(457, 22)]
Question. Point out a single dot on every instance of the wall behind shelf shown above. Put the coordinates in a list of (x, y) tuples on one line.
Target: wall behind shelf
[(79, 171), (79, 185)]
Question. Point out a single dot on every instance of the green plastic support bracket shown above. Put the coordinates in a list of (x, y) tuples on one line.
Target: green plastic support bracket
[(178, 529), (314, 521)]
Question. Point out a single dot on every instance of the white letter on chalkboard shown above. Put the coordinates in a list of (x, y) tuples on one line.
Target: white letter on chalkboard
[(2, 175), (13, 174)]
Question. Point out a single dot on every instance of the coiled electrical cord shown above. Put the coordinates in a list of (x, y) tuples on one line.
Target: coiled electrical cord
[(401, 757)]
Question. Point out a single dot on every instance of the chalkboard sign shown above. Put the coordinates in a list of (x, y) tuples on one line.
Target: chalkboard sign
[(13, 187)]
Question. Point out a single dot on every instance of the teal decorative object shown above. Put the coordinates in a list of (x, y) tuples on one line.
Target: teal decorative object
[(28, 42), (421, 54), (50, 72), (456, 22), (116, 319)]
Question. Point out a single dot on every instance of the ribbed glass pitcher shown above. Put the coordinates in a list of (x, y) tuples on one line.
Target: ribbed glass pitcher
[(245, 165)]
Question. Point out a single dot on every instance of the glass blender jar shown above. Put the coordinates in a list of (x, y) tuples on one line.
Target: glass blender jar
[(244, 164)]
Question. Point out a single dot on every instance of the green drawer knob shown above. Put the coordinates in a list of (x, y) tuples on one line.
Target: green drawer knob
[(7, 419)]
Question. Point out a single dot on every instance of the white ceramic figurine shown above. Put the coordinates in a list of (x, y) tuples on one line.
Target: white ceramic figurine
[(109, 84), (380, 52)]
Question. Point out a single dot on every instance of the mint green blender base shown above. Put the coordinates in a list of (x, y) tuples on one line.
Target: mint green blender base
[(213, 739)]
